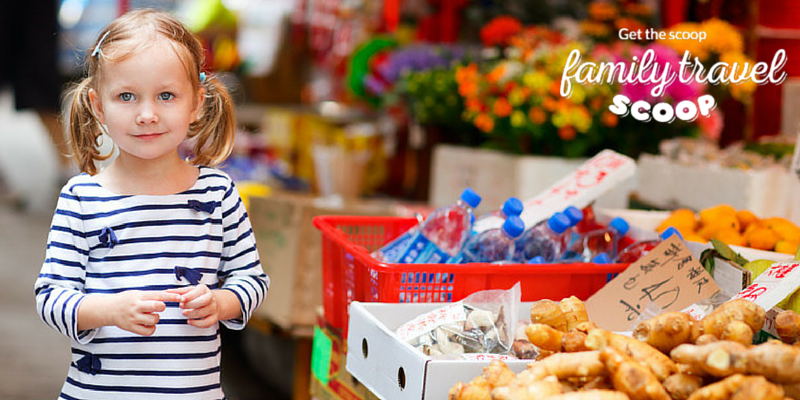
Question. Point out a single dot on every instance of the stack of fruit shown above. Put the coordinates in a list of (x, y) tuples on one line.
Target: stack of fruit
[(739, 228)]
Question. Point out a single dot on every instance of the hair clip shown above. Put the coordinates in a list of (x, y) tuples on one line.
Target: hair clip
[(96, 51), (202, 77)]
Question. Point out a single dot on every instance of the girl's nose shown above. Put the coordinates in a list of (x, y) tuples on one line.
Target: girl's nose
[(146, 115)]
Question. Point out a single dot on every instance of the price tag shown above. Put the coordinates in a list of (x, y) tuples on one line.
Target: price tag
[(668, 275), (427, 322), (773, 285)]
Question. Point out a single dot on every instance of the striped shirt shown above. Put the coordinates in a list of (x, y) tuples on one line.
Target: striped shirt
[(101, 242)]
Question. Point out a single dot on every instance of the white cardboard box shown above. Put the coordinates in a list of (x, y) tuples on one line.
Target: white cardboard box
[(393, 369), (767, 192), (496, 176)]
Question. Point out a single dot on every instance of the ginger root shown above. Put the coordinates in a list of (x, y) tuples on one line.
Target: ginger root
[(776, 361), (787, 324), (523, 389), (718, 359), (569, 365), (680, 386), (661, 365), (735, 310), (665, 331), (740, 387), (632, 378), (496, 374), (738, 331), (595, 394), (549, 313), (545, 337), (575, 312)]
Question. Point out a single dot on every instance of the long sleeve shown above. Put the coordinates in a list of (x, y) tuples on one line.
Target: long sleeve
[(240, 267), (59, 288)]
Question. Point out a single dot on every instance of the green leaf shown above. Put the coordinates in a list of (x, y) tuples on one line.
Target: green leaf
[(727, 253), (707, 259)]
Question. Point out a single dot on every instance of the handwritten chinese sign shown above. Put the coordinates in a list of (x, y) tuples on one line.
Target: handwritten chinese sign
[(772, 286), (668, 275)]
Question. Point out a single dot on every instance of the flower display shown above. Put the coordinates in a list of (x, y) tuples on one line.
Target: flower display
[(606, 18)]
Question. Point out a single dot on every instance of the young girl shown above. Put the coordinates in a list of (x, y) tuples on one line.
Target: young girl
[(145, 257)]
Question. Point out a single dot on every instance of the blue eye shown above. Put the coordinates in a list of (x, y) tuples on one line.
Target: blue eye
[(126, 96), (166, 96)]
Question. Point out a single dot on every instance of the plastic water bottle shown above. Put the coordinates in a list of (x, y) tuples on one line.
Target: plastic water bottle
[(573, 239), (545, 239), (605, 240), (392, 251), (494, 245), (536, 260), (601, 258), (443, 233), (639, 249), (512, 206)]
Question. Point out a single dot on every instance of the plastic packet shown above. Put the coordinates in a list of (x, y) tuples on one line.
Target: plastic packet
[(522, 348), (483, 322)]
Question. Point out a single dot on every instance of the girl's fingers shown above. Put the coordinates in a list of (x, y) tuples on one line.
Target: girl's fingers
[(162, 296), (197, 313), (203, 322), (190, 295), (199, 302), (180, 290), (152, 307)]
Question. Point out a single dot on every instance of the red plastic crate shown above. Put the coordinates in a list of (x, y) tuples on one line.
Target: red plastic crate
[(350, 273)]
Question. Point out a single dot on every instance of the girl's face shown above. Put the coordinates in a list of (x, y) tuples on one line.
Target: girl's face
[(147, 102)]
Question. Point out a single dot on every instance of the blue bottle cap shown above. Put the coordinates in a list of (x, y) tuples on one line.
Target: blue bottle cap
[(559, 222), (669, 232), (620, 225), (472, 218), (601, 258), (512, 206), (514, 226), (470, 197), (574, 214), (536, 260)]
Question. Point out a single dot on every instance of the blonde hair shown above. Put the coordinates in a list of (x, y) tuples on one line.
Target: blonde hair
[(213, 131)]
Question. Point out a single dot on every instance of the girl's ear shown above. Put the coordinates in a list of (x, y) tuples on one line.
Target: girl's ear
[(201, 96), (97, 106)]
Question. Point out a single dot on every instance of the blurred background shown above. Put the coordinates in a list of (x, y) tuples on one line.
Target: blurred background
[(391, 107)]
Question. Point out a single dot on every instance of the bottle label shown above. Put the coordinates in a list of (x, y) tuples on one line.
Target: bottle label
[(393, 250), (422, 250)]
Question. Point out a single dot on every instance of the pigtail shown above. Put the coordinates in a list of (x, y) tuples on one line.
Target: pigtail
[(84, 129), (214, 129)]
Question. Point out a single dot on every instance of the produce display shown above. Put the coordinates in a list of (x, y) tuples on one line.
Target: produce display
[(671, 356), (735, 227)]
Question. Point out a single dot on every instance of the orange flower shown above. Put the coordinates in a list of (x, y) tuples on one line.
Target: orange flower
[(602, 11), (494, 75), (484, 122), (555, 88), (537, 115), (629, 23), (468, 73), (469, 89), (473, 104), (609, 119), (502, 108), (567, 133), (549, 104)]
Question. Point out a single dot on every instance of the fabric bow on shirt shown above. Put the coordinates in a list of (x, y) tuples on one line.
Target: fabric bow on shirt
[(89, 364), (207, 207), (191, 275), (108, 238)]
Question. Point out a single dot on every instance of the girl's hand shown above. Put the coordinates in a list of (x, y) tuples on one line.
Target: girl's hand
[(199, 304), (136, 311)]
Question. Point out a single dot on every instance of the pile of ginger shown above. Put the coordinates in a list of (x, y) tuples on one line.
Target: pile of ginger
[(671, 356)]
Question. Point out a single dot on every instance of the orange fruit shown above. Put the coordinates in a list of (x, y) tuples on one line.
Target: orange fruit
[(693, 237), (730, 237), (761, 238), (786, 247), (708, 215), (745, 218), (681, 219), (785, 229), (722, 222)]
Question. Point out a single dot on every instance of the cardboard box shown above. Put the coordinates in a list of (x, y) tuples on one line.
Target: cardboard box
[(496, 176), (290, 251), (329, 377), (393, 369), (667, 184)]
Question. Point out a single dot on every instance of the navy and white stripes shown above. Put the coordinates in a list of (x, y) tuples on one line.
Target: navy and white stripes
[(105, 243)]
